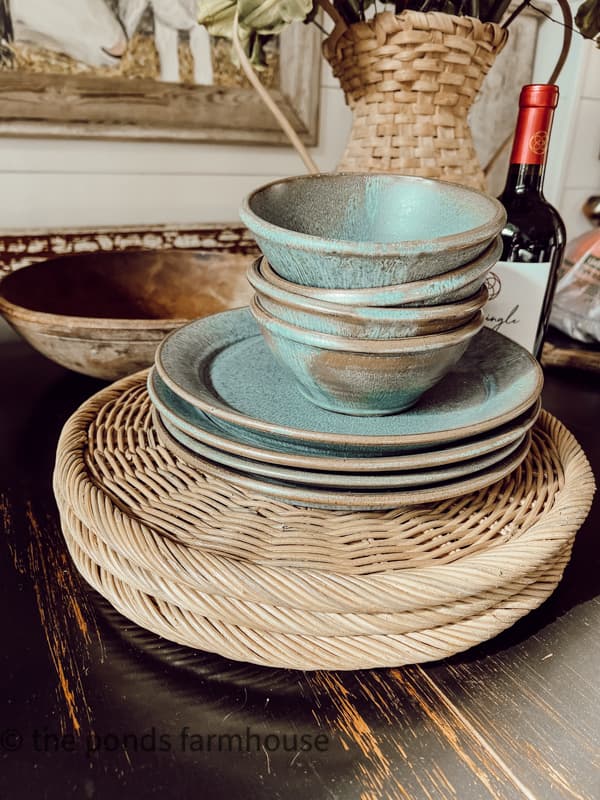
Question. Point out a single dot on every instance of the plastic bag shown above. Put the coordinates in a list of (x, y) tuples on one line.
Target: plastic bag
[(576, 307)]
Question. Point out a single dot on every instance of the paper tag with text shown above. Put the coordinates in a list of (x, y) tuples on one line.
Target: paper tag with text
[(516, 296)]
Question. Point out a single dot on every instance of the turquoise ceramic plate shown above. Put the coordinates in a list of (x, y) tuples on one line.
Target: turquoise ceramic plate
[(344, 480), (222, 366), (177, 413), (346, 499)]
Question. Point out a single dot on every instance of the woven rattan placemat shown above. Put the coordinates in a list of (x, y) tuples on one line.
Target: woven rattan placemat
[(208, 565)]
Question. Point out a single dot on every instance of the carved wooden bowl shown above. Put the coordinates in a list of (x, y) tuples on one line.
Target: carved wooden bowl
[(103, 314)]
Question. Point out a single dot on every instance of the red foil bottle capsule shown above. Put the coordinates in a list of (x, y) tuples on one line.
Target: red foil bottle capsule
[(532, 136)]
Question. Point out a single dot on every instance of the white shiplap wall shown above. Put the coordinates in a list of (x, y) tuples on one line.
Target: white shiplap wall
[(582, 174), (66, 182), (573, 172)]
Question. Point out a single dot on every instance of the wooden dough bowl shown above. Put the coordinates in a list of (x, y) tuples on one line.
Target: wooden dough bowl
[(103, 314)]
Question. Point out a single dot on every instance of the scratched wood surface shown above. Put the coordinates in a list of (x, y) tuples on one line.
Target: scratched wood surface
[(536, 689), (518, 717), (21, 248)]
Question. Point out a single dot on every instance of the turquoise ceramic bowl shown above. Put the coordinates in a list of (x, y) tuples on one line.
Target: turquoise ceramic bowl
[(451, 287), (354, 231), (362, 322), (364, 377)]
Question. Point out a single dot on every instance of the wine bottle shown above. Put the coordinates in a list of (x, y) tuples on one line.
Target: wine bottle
[(522, 283)]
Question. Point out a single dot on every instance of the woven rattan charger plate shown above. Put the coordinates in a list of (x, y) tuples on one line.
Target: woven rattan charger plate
[(209, 565)]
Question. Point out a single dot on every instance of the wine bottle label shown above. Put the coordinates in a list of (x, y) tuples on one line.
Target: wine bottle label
[(516, 296)]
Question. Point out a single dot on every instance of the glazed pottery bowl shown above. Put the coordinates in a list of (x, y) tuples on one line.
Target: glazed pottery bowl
[(358, 231), (453, 286), (103, 314), (362, 322), (364, 376)]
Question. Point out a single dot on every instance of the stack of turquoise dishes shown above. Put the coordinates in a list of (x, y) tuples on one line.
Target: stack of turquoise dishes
[(371, 286), (225, 405), (361, 376)]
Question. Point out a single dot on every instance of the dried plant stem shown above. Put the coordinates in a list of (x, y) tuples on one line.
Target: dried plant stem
[(270, 103), (567, 25), (337, 19), (566, 45), (567, 37), (331, 12)]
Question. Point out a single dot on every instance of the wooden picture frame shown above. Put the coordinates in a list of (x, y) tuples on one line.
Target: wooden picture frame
[(86, 106)]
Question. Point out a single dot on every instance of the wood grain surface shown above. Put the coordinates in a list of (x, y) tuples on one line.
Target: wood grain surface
[(117, 106), (84, 105), (94, 707)]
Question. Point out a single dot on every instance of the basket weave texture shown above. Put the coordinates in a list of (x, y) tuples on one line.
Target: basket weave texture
[(410, 81), (211, 566)]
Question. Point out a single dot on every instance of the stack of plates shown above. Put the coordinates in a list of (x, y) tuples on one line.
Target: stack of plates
[(223, 403)]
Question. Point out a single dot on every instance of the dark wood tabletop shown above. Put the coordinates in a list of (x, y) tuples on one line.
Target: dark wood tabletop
[(94, 707)]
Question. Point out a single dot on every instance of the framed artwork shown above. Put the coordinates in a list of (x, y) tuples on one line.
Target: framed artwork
[(145, 69)]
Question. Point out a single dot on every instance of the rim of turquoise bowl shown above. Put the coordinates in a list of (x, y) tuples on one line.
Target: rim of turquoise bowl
[(360, 313), (397, 294), (307, 241), (348, 344)]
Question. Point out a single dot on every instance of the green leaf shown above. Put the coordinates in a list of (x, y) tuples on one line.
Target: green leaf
[(258, 21), (587, 18), (217, 16), (272, 16)]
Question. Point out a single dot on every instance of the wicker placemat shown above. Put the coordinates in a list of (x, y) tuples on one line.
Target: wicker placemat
[(210, 566)]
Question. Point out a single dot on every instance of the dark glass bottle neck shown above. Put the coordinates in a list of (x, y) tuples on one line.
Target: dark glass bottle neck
[(525, 178)]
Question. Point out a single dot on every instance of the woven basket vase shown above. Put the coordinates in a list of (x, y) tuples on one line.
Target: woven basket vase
[(410, 80)]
